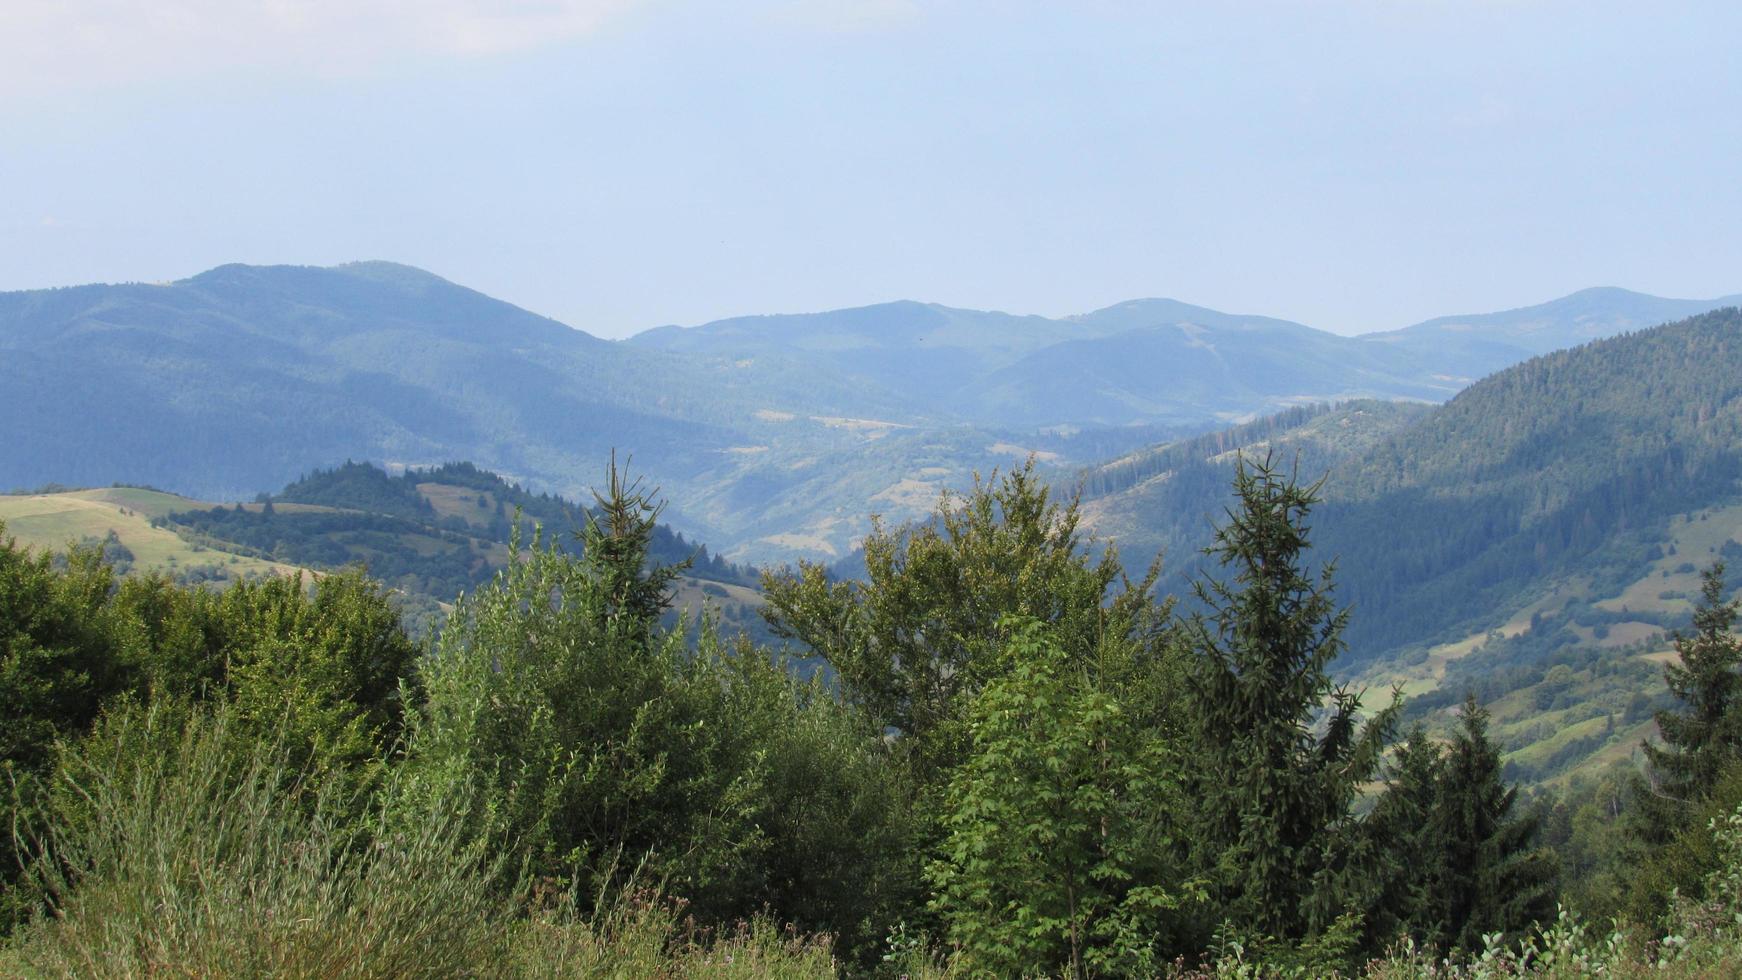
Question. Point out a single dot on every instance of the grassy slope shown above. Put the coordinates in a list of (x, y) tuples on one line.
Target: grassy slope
[(1536, 721), (52, 521)]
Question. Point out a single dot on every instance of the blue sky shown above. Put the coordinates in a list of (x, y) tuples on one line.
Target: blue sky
[(620, 164)]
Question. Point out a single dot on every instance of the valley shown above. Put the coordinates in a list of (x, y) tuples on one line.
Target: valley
[(1550, 518)]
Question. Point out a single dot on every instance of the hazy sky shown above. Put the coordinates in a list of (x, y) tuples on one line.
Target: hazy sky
[(620, 164)]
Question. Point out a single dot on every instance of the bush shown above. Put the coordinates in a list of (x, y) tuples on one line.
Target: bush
[(177, 844), (174, 843)]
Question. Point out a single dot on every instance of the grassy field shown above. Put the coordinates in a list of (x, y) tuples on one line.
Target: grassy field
[(51, 521), (1576, 722)]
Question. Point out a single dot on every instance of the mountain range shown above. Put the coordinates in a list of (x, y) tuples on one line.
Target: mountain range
[(1533, 540), (772, 436)]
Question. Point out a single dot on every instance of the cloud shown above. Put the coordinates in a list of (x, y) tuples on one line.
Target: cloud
[(50, 45)]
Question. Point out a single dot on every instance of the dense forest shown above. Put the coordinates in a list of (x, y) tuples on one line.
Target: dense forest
[(1025, 760), (1440, 517), (357, 513)]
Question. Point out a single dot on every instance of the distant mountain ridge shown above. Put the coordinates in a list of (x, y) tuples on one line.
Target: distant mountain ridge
[(1478, 344), (771, 436), (1143, 361)]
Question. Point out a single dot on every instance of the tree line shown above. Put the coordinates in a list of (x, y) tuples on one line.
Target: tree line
[(1021, 761)]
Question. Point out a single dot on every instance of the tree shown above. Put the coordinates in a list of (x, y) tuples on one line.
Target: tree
[(1465, 864), (1404, 824), (1058, 825), (616, 548), (915, 642), (597, 746), (1281, 750), (1696, 773), (1494, 878), (1705, 736), (57, 650)]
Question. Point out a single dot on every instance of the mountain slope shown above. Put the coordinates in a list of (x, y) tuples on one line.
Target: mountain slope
[(1144, 361), (772, 437), (1445, 519), (1473, 345), (241, 378), (1532, 540)]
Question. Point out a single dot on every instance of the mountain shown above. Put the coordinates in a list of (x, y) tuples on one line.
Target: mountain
[(1153, 361), (772, 437), (240, 378), (1532, 539), (1164, 361), (1440, 517), (1474, 345)]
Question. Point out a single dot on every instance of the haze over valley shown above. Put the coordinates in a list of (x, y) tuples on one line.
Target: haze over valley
[(884, 489)]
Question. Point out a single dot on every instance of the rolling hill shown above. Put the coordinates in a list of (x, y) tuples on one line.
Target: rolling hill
[(1142, 362), (121, 521), (772, 437), (428, 535)]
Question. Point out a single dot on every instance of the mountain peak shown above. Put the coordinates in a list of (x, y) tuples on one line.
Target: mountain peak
[(374, 270)]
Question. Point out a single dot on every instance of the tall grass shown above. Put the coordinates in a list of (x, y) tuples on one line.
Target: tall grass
[(177, 846), (174, 846)]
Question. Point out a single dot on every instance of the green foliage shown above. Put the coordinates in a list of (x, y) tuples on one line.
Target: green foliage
[(200, 849), (1495, 881), (914, 643), (1281, 752), (1703, 737), (56, 649), (328, 667), (595, 742), (1466, 865), (184, 842), (1668, 862), (1028, 767), (1059, 826), (322, 670)]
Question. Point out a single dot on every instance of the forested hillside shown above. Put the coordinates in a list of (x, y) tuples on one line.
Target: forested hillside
[(427, 534), (1576, 459), (1533, 540), (772, 437)]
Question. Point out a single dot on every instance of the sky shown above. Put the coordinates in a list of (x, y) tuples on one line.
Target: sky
[(622, 164)]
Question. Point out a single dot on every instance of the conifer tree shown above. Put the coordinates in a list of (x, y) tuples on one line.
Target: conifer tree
[(616, 549), (1282, 750), (1410, 896), (1705, 736), (1463, 863), (1493, 878)]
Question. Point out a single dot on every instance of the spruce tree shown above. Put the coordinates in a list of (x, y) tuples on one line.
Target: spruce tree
[(1410, 897), (616, 551), (1464, 864), (1282, 751), (1705, 736), (1493, 878)]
